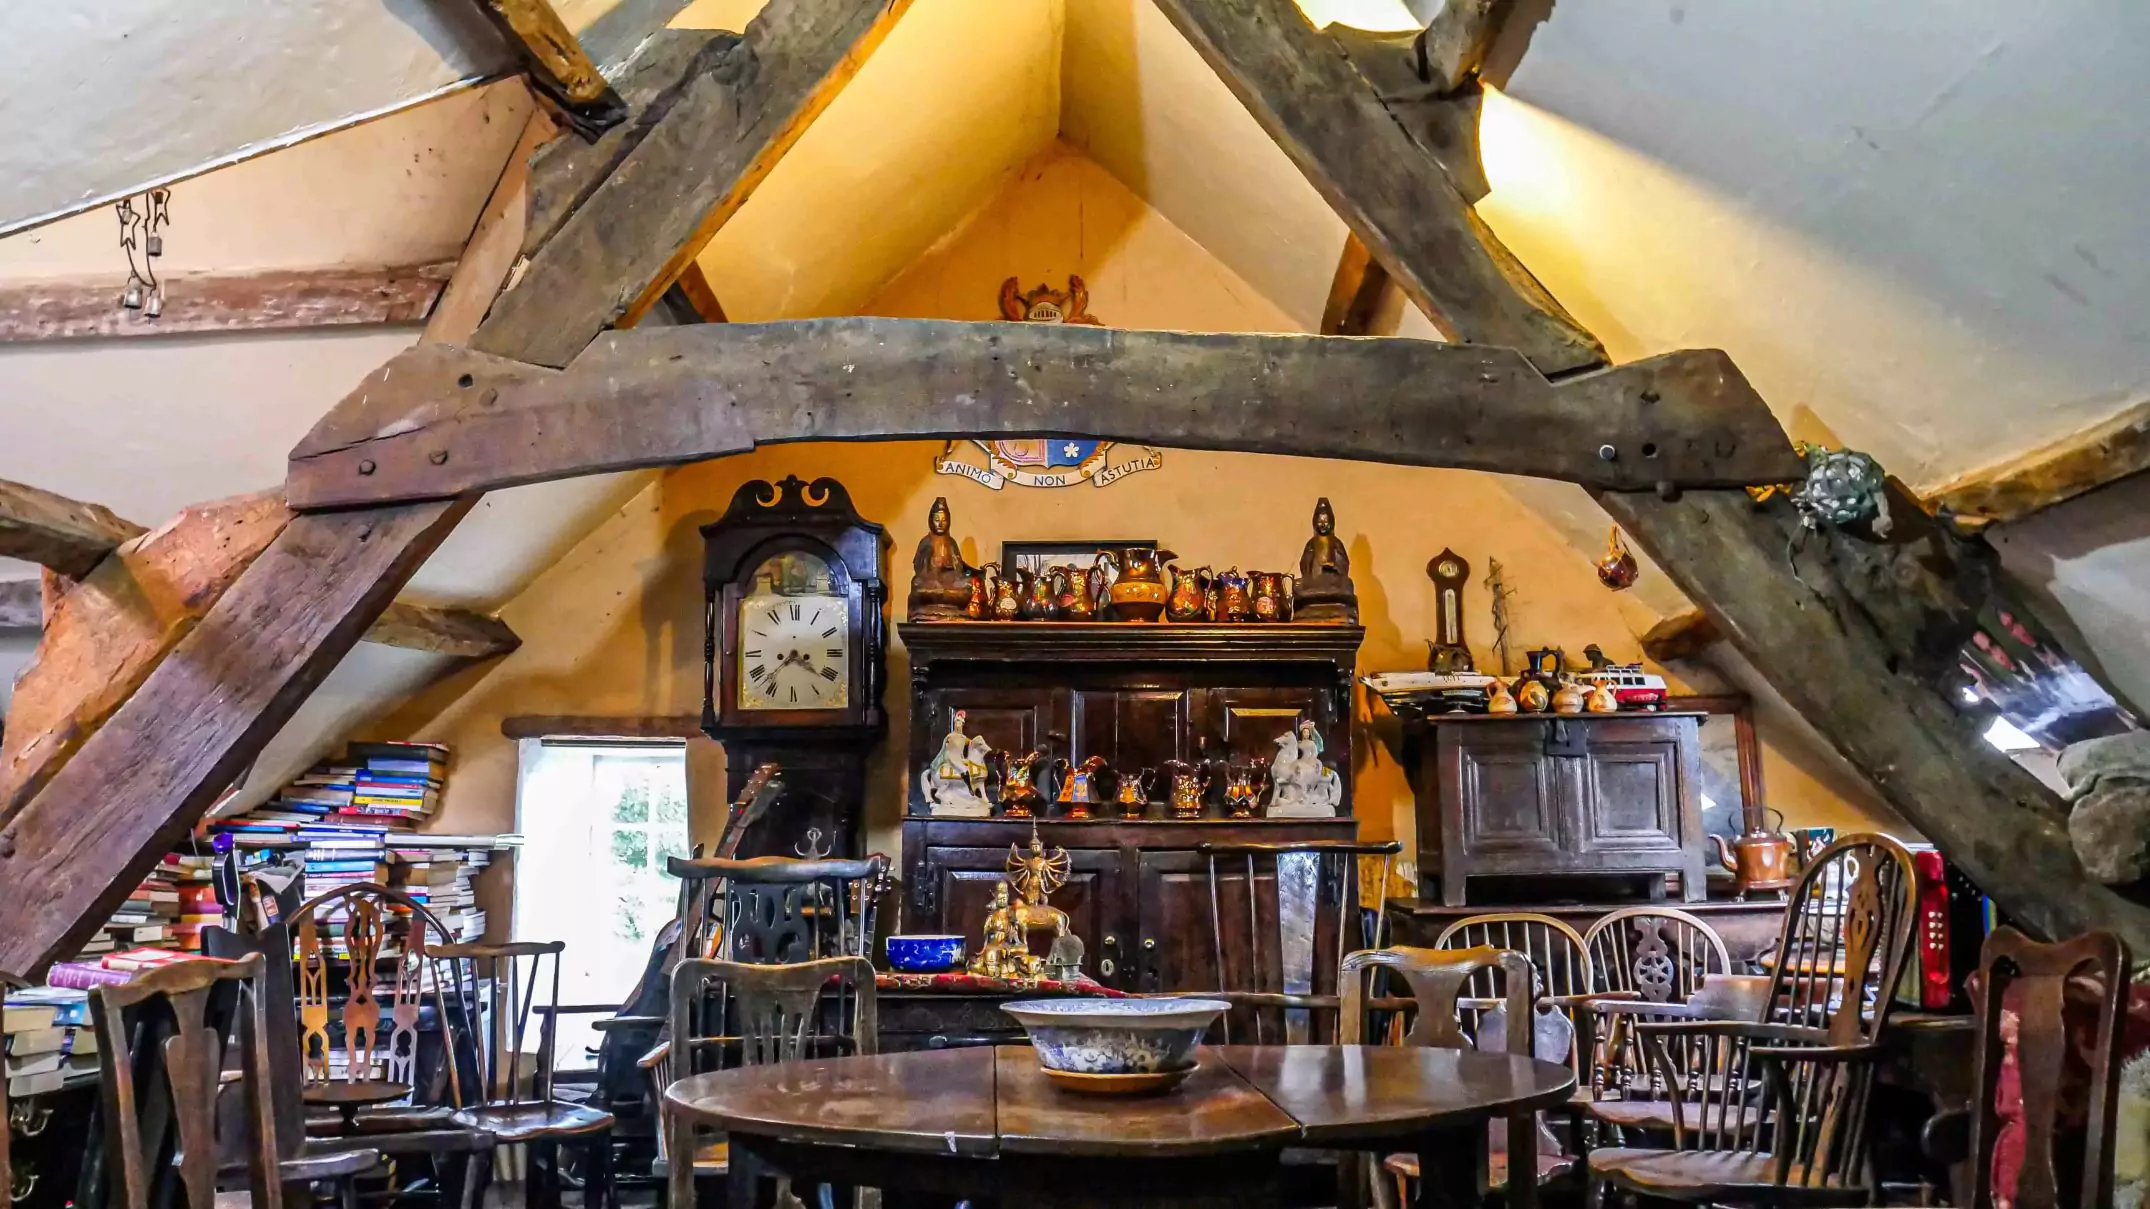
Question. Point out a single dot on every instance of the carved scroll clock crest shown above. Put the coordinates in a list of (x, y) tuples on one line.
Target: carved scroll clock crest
[(1055, 461)]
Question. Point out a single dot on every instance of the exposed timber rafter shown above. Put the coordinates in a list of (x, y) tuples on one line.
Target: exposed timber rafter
[(1356, 292), (1301, 86), (261, 301), (438, 421), (1679, 636), (67, 536), (559, 68), (104, 818), (437, 630), (653, 212), (2104, 453)]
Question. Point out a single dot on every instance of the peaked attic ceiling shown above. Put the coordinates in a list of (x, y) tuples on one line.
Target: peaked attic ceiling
[(1870, 254)]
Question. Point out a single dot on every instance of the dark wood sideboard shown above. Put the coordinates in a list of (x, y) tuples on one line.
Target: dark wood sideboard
[(1137, 695), (1525, 798)]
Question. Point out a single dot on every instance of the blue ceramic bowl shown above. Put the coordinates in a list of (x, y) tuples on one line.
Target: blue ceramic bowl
[(1116, 1036), (925, 954)]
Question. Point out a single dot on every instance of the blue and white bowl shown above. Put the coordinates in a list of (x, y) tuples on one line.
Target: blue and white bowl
[(1116, 1036), (925, 954)]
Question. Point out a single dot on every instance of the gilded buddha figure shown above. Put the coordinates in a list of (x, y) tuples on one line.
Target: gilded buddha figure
[(940, 580), (1324, 591)]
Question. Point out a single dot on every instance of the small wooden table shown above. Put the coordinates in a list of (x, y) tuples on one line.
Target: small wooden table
[(347, 1096), (986, 1123)]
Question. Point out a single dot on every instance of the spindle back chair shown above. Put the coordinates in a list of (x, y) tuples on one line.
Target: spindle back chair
[(1847, 931), (769, 910)]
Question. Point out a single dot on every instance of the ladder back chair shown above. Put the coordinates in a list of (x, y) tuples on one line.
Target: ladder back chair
[(507, 983), (730, 1014), (1282, 917), (162, 1043), (2063, 1007), (1775, 1112), (1437, 983), (374, 935)]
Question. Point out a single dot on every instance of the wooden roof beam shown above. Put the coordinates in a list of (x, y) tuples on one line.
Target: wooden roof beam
[(462, 633), (48, 529), (2104, 453), (560, 70), (261, 301), (1356, 292), (438, 421)]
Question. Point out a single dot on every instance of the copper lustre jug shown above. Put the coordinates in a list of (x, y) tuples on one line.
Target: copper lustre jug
[(1272, 595), (1189, 600), (1139, 592), (1004, 592)]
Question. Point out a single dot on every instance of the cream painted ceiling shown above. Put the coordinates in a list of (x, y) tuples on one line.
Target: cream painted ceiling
[(1912, 224)]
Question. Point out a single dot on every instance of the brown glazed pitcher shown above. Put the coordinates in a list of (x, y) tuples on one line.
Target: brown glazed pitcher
[(1272, 595), (1139, 593), (1760, 859)]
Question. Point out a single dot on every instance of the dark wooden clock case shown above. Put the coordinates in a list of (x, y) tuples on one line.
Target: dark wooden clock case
[(822, 752)]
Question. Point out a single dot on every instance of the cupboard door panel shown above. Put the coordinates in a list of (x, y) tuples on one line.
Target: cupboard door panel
[(1243, 724), (1632, 797), (1511, 800)]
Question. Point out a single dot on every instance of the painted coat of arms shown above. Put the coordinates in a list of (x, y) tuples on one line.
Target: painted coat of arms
[(1047, 462)]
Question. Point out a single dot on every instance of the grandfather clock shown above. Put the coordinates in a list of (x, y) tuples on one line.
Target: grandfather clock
[(795, 656)]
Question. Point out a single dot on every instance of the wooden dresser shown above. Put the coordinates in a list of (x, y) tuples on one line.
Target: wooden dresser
[(1137, 695), (1609, 797)]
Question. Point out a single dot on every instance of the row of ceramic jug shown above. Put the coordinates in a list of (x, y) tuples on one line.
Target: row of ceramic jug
[(1133, 584), (1024, 793)]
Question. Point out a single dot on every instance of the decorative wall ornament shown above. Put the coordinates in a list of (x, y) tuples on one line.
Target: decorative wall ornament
[(1054, 461), (141, 229)]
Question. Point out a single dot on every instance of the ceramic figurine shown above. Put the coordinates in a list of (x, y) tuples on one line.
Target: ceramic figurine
[(1603, 700), (1302, 787), (1231, 597), (954, 784), (1035, 874), (1020, 795), (1039, 597), (940, 580), (1189, 600), (1138, 593), (1570, 698), (1502, 701), (1134, 792), (1189, 785), (1618, 570), (1273, 596), (1324, 591), (1531, 696), (1078, 786)]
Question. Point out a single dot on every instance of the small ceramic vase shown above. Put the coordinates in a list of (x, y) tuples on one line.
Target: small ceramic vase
[(1618, 570), (1531, 697), (1570, 698), (1603, 700), (1502, 701)]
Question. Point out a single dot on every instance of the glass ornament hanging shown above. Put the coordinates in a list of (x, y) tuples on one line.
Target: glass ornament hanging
[(1843, 487)]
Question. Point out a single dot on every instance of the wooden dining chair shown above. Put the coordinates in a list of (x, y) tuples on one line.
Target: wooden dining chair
[(766, 910), (1642, 955), (162, 1043), (507, 982), (1439, 984), (1775, 1112), (729, 1014), (2061, 1008), (1282, 916)]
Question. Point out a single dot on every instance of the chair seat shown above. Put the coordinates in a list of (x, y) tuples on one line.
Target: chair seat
[(1705, 1176), (710, 1158), (399, 1119), (1657, 1114), (423, 1141), (512, 1123), (311, 1166)]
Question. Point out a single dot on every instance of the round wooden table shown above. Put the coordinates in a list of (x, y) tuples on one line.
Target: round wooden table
[(985, 1123)]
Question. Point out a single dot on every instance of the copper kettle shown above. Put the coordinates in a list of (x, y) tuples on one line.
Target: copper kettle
[(1759, 860)]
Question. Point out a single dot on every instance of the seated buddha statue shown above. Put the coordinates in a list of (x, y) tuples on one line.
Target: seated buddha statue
[(1324, 591), (940, 579)]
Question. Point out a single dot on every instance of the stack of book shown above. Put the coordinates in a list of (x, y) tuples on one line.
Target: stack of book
[(148, 917), (437, 870), (48, 1040)]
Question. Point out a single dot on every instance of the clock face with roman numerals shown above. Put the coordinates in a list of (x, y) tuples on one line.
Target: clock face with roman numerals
[(794, 638)]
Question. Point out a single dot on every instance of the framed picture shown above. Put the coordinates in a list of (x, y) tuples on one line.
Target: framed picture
[(1730, 764), (1039, 557)]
